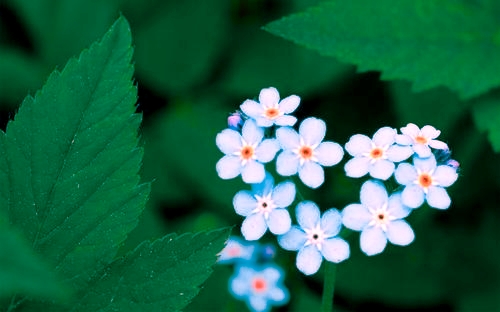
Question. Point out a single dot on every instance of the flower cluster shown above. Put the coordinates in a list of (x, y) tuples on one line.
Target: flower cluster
[(257, 280), (378, 216), (263, 131)]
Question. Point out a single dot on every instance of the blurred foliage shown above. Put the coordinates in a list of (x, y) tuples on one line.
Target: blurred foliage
[(197, 61)]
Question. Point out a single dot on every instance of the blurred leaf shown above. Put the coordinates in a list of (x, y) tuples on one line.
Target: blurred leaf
[(431, 43), (186, 161), (179, 41), (70, 182), (259, 60), (61, 28), (438, 107), (22, 272), (161, 276), (487, 118), (18, 73)]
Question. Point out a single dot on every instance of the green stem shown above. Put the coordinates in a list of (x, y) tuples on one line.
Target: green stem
[(328, 286)]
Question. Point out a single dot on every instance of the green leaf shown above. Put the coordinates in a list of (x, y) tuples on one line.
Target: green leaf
[(21, 270), (487, 118), (178, 42), (160, 276), (431, 43), (70, 161)]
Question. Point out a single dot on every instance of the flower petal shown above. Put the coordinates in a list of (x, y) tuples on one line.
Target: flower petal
[(285, 120), (311, 174), (430, 132), (358, 144), (293, 239), (335, 250), (278, 295), (308, 215), (372, 241), (329, 153), (279, 221), (411, 130), (397, 153), (264, 121), (269, 97), (437, 197), (312, 130), (382, 169), (396, 208), (384, 136), (422, 150), (355, 217), (284, 194), (287, 163), (289, 104), (405, 174), (258, 303), (309, 260), (331, 222), (357, 167), (244, 203), (265, 187), (445, 175), (228, 167), (252, 108), (288, 138), (404, 139), (254, 226), (400, 233), (253, 172), (438, 144), (228, 141), (425, 164), (373, 194), (266, 150), (251, 133), (413, 196)]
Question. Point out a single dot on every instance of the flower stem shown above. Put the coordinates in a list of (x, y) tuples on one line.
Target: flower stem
[(328, 287)]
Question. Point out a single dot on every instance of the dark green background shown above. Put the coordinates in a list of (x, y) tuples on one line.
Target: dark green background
[(196, 62)]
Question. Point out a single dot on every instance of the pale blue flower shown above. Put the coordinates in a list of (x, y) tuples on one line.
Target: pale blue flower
[(237, 250), (421, 140), (265, 207), (270, 110), (315, 238), (379, 218), (375, 156), (260, 286), (425, 181), (245, 153), (305, 153)]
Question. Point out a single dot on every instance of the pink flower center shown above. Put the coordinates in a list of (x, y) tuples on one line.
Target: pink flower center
[(259, 284)]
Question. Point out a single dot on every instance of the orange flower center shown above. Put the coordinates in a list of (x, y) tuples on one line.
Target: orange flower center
[(306, 152), (247, 152), (272, 112), (259, 284), (425, 180), (421, 139), (376, 153)]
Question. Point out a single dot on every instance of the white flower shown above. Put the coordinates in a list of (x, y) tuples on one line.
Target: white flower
[(420, 139), (271, 111)]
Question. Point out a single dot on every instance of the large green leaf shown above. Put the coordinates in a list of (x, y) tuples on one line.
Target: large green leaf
[(487, 118), (21, 270), (71, 161), (160, 276), (451, 43)]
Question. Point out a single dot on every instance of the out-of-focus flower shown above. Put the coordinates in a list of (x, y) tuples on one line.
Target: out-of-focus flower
[(379, 218), (245, 153), (265, 207), (270, 110), (375, 156), (235, 121), (425, 181), (305, 153), (237, 250), (260, 286), (315, 238), (420, 139)]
